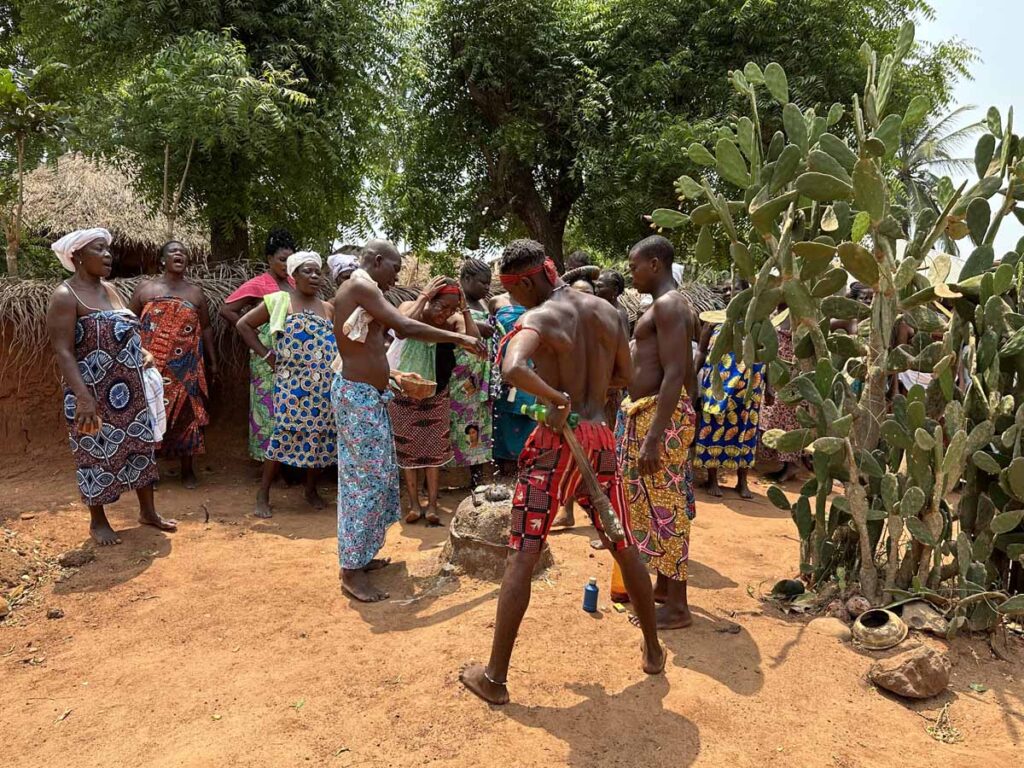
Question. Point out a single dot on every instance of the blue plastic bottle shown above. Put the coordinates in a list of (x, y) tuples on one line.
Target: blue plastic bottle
[(590, 596)]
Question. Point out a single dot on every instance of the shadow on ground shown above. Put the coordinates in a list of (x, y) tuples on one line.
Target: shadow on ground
[(589, 729)]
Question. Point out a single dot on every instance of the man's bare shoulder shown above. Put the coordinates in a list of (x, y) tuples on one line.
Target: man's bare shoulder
[(354, 290), (672, 307)]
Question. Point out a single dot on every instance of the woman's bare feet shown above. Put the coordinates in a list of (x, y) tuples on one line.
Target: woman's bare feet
[(262, 505), (158, 522), (189, 480), (654, 663), (474, 677), (741, 485), (377, 563), (314, 499), (356, 584), (712, 487), (433, 519), (103, 534)]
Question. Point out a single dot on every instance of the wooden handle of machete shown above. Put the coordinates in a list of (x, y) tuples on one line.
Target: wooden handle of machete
[(609, 520)]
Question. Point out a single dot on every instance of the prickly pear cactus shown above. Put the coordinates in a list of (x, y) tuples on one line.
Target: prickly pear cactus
[(932, 481)]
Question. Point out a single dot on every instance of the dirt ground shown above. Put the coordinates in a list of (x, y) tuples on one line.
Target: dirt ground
[(229, 644)]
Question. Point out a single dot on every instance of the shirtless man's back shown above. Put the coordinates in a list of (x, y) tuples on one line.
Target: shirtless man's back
[(567, 350)]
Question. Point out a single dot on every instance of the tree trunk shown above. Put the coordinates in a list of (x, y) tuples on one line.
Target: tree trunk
[(14, 230), (545, 225), (229, 240)]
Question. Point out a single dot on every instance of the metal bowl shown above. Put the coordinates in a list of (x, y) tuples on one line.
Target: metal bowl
[(879, 629)]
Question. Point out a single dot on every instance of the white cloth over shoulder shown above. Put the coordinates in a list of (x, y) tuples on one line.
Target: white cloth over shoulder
[(153, 383), (357, 325), (73, 241), (299, 258)]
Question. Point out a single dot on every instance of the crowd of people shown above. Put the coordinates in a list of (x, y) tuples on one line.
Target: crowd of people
[(371, 389)]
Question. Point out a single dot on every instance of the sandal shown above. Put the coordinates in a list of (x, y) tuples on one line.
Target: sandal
[(414, 516)]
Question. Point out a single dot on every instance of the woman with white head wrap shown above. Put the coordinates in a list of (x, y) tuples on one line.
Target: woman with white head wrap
[(301, 349), (98, 347), (299, 258)]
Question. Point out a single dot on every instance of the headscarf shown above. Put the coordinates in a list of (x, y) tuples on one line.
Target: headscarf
[(449, 288), (73, 241), (547, 267), (299, 258), (341, 262)]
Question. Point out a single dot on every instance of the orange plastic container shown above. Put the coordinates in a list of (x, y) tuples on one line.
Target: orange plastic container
[(618, 590)]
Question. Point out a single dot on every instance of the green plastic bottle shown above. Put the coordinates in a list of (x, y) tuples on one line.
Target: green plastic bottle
[(539, 413)]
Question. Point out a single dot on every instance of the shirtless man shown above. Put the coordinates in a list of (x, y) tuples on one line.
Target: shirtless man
[(578, 351), (659, 429), (367, 469)]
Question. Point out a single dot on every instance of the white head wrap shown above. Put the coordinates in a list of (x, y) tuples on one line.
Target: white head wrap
[(299, 258), (76, 240), (340, 262)]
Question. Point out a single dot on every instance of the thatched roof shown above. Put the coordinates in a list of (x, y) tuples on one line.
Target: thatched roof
[(23, 306), (75, 193)]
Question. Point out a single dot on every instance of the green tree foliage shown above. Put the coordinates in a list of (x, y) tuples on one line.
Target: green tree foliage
[(285, 142), (32, 121), (544, 111), (198, 96)]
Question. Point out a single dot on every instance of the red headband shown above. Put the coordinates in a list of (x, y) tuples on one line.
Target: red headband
[(521, 277), (449, 288)]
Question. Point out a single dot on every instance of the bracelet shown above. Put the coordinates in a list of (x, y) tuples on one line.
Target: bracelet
[(563, 407), (492, 681)]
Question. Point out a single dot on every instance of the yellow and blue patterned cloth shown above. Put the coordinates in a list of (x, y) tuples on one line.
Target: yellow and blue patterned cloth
[(727, 432)]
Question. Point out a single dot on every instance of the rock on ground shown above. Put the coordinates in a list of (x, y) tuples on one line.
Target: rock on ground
[(831, 626), (478, 540), (76, 558), (916, 674)]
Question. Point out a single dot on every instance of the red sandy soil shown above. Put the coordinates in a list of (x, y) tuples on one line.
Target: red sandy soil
[(229, 644)]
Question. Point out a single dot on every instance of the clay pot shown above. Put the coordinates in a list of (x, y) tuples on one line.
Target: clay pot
[(879, 629)]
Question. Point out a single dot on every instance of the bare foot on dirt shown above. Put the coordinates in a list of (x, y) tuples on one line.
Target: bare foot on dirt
[(356, 584), (262, 506), (654, 663), (314, 500), (189, 480), (377, 563), (158, 522), (712, 486), (742, 489), (104, 535), (565, 519), (475, 679), (671, 617), (414, 514)]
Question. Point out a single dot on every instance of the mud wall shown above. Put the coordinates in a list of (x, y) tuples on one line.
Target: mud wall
[(32, 422)]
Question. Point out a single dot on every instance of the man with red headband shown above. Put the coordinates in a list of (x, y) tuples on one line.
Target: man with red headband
[(568, 350)]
